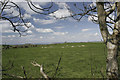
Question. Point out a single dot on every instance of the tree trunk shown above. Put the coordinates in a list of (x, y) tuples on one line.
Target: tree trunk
[(112, 63), (110, 40)]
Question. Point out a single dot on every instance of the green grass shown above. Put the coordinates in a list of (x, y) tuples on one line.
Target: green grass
[(76, 62)]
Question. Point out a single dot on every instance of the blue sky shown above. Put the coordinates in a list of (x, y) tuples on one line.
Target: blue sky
[(47, 29)]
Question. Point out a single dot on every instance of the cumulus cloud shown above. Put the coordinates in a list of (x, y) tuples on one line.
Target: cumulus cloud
[(6, 27), (44, 30), (21, 28), (29, 32), (46, 34), (48, 30), (61, 4), (60, 33), (31, 25), (27, 16), (62, 11), (43, 21), (59, 27), (41, 37), (12, 10), (83, 30)]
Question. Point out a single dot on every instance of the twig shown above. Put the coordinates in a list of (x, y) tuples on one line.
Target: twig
[(24, 71), (14, 76), (57, 67), (41, 69)]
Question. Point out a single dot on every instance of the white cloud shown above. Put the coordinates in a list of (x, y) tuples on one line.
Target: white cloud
[(12, 10), (7, 31), (41, 37), (83, 30), (11, 36), (30, 32), (42, 21), (96, 34), (44, 30), (59, 27), (31, 25), (37, 5), (36, 20), (6, 27), (61, 4), (60, 33), (93, 4), (27, 16), (21, 28), (61, 13)]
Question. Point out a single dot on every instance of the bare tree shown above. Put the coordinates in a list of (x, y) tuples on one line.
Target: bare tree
[(11, 12), (101, 14), (107, 15)]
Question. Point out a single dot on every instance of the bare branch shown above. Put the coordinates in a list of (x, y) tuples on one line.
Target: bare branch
[(110, 26), (41, 69), (13, 18), (3, 7), (44, 9), (10, 75), (110, 22), (24, 72), (38, 10), (57, 67), (111, 18), (111, 10)]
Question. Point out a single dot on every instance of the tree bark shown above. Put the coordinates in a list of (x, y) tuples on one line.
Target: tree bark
[(102, 20), (112, 63), (110, 40)]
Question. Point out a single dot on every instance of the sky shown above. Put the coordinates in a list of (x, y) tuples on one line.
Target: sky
[(46, 29)]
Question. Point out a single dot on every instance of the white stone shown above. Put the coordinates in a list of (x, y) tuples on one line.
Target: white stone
[(83, 45), (72, 46)]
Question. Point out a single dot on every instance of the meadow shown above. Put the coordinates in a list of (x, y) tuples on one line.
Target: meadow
[(79, 60)]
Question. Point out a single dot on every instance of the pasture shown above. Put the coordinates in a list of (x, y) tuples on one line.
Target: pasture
[(79, 60)]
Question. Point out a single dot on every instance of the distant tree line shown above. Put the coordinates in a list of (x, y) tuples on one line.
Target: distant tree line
[(4, 47)]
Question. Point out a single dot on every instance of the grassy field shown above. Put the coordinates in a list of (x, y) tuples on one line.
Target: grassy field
[(79, 60)]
